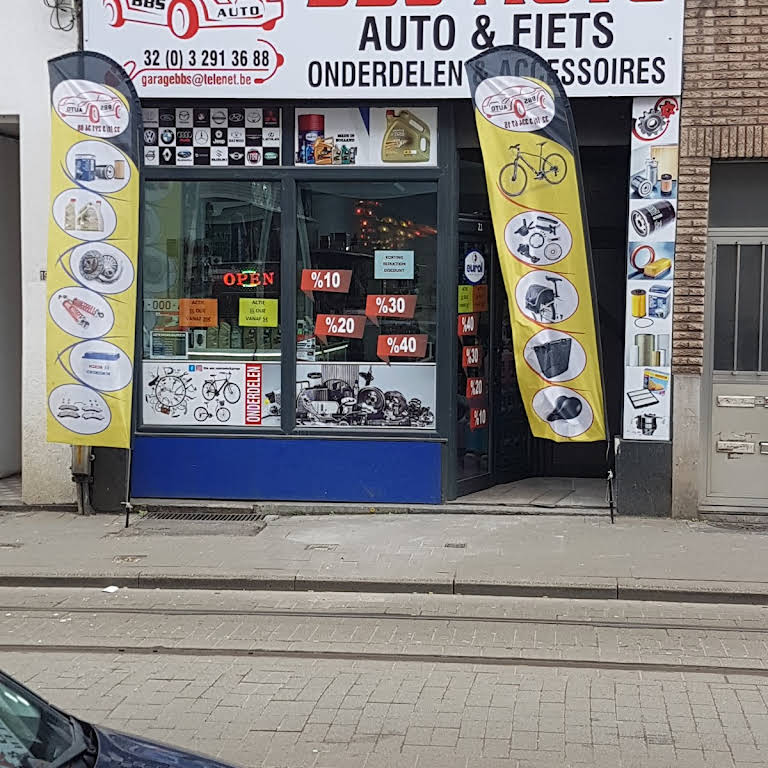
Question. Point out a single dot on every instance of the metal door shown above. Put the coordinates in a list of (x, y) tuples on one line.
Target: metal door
[(474, 426), (736, 374), (493, 441), (513, 453)]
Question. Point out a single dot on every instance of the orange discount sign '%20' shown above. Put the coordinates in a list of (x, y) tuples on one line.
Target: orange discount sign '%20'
[(344, 326)]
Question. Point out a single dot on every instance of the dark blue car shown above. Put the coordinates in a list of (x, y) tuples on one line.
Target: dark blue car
[(34, 734)]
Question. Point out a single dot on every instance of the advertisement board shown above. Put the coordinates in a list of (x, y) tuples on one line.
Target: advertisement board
[(535, 190), (336, 49), (653, 180), (93, 233), (210, 394)]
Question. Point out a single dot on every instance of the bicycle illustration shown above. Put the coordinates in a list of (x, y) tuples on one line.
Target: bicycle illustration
[(222, 413), (513, 178), (223, 387), (170, 392)]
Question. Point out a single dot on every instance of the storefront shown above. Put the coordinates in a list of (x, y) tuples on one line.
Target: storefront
[(321, 315)]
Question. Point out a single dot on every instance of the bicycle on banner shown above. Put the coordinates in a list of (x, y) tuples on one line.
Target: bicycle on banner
[(513, 177)]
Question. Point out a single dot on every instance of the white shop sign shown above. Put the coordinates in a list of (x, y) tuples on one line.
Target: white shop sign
[(324, 49)]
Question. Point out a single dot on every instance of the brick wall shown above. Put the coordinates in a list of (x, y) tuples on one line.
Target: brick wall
[(724, 116)]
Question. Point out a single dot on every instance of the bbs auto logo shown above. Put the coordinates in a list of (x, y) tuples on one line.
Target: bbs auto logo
[(185, 18), (515, 103)]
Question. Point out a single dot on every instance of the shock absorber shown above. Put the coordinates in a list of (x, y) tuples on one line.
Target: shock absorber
[(75, 313), (89, 309)]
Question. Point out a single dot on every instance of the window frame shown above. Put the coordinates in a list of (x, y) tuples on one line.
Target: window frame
[(289, 176)]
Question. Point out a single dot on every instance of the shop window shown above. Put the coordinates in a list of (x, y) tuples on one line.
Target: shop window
[(366, 305), (211, 289), (737, 194), (740, 321)]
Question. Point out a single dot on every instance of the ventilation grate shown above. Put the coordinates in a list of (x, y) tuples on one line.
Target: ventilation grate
[(208, 517)]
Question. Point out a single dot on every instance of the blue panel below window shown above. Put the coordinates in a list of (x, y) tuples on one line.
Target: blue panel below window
[(375, 471)]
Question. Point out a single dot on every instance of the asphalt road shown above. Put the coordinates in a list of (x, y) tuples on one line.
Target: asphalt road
[(335, 680)]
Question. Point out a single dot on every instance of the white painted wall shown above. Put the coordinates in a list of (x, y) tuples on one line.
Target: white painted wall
[(27, 41)]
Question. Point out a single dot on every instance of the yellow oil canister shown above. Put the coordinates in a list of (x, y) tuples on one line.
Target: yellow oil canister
[(639, 302), (407, 138)]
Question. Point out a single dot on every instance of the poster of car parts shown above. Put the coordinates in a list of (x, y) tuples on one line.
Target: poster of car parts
[(178, 392), (530, 153), (650, 268), (92, 251), (366, 395), (342, 49), (371, 137)]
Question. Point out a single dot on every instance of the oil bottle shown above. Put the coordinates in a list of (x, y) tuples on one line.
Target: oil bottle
[(407, 138)]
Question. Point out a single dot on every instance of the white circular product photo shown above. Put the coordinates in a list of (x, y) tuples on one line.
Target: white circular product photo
[(81, 313), (565, 410), (84, 215), (79, 409), (101, 365), (555, 356), (102, 267), (98, 166), (546, 297), (538, 239)]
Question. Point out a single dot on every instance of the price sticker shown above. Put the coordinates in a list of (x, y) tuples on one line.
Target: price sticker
[(345, 326), (479, 298), (326, 280), (475, 388), (390, 306), (466, 298), (471, 357), (198, 313), (400, 345), (468, 325), (478, 418)]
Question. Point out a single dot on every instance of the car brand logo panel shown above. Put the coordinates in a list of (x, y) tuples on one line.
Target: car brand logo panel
[(212, 136)]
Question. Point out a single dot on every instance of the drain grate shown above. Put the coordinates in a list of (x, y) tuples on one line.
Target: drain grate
[(321, 547), (208, 517), (455, 545), (745, 526)]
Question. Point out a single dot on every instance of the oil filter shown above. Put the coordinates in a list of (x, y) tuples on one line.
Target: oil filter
[(652, 218), (639, 302), (666, 184), (641, 186), (105, 171), (119, 169)]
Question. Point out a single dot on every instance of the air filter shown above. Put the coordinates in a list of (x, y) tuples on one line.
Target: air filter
[(642, 398)]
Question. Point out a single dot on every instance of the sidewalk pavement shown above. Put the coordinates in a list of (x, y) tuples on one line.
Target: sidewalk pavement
[(555, 556)]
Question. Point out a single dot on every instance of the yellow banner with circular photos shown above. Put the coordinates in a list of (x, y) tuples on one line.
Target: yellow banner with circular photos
[(530, 153), (93, 233)]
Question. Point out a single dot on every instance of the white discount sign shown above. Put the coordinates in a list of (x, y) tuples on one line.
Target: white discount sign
[(309, 49)]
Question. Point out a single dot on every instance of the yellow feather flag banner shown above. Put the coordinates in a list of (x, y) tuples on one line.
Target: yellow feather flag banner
[(530, 153), (93, 236)]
